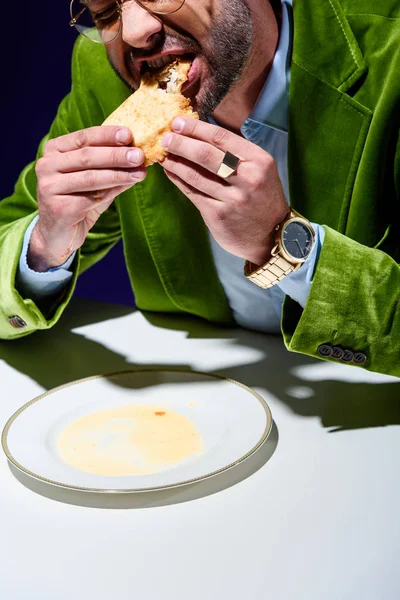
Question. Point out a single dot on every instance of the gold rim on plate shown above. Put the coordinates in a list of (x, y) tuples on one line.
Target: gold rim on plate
[(13, 461)]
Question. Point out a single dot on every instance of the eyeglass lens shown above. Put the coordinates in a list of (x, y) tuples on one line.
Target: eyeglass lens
[(100, 21)]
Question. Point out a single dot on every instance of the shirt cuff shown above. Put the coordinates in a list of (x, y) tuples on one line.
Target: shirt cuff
[(297, 285), (40, 285)]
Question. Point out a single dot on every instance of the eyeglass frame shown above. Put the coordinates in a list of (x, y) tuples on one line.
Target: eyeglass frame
[(74, 19)]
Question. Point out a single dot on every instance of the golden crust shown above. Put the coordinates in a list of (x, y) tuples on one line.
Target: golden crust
[(149, 112)]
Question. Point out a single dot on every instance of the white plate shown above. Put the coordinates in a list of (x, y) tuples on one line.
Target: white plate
[(233, 420)]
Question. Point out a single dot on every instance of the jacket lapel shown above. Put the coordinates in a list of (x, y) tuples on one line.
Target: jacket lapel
[(180, 249), (327, 126)]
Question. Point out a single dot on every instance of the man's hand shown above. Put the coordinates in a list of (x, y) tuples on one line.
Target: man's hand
[(79, 176), (242, 211)]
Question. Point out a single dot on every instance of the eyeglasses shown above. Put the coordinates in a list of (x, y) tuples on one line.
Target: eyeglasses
[(100, 20)]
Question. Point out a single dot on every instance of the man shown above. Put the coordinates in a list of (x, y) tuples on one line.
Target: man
[(339, 283)]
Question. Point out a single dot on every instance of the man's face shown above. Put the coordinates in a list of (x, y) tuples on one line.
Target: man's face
[(216, 35)]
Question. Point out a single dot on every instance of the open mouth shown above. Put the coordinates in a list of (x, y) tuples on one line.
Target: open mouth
[(171, 77), (159, 69), (153, 66)]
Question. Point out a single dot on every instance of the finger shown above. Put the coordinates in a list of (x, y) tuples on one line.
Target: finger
[(89, 200), (79, 204), (199, 153), (202, 202), (92, 180), (98, 158), (93, 136), (216, 136), (200, 179)]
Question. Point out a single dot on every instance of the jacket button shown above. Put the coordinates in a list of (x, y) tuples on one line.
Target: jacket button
[(337, 352), (325, 350), (17, 322), (359, 358), (348, 356)]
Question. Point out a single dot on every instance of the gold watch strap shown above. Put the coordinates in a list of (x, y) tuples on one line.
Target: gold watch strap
[(268, 275), (278, 266)]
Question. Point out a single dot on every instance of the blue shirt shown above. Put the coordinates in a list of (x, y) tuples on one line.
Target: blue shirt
[(267, 126)]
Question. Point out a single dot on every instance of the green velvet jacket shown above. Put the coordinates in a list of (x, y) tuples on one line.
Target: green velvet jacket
[(344, 171)]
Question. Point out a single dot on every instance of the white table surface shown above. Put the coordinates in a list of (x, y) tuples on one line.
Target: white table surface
[(315, 515)]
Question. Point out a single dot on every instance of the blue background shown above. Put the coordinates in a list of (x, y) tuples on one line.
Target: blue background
[(36, 49)]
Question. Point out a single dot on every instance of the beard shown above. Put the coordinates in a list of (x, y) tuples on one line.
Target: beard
[(225, 54)]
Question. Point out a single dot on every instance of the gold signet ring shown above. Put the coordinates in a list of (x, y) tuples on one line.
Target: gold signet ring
[(228, 166)]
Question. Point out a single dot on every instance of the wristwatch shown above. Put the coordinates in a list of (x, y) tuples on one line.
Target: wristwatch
[(294, 240)]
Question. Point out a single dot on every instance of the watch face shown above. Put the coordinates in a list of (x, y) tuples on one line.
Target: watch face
[(297, 239)]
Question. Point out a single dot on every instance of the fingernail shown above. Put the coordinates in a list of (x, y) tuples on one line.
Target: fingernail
[(178, 124), (134, 156), (122, 136), (167, 140)]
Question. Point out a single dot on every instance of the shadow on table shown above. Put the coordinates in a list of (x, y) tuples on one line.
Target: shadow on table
[(59, 356), (56, 357), (177, 495), (340, 404)]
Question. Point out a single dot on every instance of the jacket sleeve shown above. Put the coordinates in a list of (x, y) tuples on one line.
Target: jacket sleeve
[(17, 212), (354, 305)]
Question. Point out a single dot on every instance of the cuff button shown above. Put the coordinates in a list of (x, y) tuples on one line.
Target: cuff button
[(337, 352), (359, 358), (324, 350), (348, 356), (17, 322)]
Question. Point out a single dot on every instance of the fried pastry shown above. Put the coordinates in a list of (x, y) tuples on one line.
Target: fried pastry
[(149, 112)]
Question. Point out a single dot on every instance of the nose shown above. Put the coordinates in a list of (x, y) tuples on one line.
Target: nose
[(138, 25)]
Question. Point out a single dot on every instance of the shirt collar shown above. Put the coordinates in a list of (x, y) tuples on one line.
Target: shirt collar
[(272, 106)]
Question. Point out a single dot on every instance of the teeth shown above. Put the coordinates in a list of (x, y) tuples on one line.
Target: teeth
[(160, 62)]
